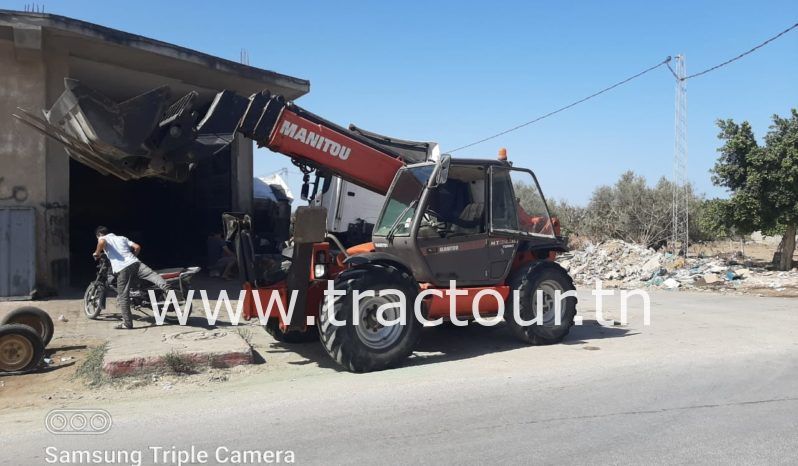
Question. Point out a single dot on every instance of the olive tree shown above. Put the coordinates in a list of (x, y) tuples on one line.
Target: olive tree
[(762, 180)]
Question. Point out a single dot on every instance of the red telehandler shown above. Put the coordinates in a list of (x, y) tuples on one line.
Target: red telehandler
[(461, 234)]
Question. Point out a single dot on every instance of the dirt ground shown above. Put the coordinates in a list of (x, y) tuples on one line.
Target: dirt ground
[(757, 252), (713, 375), (56, 382), (57, 385), (76, 336)]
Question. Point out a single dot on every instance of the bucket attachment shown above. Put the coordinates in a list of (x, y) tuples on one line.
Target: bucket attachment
[(143, 136)]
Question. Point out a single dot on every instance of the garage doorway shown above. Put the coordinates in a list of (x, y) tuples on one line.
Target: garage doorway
[(170, 220)]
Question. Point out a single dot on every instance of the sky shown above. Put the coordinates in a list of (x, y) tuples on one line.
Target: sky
[(456, 71)]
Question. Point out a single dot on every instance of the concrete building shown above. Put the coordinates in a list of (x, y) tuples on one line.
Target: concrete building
[(64, 199)]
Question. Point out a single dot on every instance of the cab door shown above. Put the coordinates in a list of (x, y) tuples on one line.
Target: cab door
[(503, 241), (452, 234), (519, 218)]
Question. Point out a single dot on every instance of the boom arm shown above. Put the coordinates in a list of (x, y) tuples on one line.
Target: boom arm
[(318, 143)]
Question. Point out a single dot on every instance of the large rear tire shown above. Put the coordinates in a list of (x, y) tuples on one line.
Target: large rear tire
[(548, 277), (365, 345), (21, 348), (34, 318)]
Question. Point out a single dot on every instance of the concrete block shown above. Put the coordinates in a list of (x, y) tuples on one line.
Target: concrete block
[(143, 350)]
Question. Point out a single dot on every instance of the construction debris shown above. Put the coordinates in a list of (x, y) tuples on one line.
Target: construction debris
[(626, 265)]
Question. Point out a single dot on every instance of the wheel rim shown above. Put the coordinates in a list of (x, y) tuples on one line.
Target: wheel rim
[(16, 352), (548, 288), (369, 330)]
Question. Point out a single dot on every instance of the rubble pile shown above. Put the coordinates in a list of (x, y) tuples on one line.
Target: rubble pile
[(621, 264)]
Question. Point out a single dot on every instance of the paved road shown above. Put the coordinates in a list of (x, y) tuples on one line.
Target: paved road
[(714, 379)]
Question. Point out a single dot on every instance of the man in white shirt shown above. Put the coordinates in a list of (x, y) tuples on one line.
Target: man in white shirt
[(126, 265)]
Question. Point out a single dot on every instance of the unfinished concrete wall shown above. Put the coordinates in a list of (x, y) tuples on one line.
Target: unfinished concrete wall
[(22, 151), (34, 169)]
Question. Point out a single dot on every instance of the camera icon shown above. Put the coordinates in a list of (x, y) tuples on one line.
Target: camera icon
[(78, 421)]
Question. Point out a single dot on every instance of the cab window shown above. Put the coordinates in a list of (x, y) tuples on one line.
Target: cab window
[(517, 204), (402, 201), (456, 207)]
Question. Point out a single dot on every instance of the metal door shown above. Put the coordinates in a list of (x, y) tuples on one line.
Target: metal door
[(17, 251)]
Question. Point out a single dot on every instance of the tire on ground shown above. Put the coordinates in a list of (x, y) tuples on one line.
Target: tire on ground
[(34, 318), (372, 347), (291, 336), (548, 277), (21, 348)]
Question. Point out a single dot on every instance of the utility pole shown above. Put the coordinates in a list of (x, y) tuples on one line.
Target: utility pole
[(681, 182)]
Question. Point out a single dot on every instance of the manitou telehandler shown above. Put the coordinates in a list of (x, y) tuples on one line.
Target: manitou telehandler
[(455, 230)]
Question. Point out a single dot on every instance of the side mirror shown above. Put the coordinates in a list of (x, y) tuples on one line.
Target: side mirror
[(443, 172), (326, 185)]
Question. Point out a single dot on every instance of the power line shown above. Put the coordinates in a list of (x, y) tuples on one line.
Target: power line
[(665, 62), (573, 104), (720, 65)]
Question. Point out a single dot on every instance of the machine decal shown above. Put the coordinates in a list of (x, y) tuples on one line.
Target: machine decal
[(465, 246), (314, 140), (502, 242), (341, 155)]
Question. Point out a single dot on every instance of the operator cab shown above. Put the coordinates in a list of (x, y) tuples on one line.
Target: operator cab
[(464, 220)]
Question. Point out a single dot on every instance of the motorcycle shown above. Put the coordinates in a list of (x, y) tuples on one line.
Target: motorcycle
[(179, 279)]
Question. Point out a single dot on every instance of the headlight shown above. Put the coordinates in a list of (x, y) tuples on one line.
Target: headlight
[(319, 270)]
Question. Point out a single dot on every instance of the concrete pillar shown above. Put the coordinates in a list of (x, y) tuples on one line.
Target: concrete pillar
[(56, 206), (34, 168)]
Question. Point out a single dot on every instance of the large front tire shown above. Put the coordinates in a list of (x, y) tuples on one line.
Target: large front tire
[(361, 343), (549, 278)]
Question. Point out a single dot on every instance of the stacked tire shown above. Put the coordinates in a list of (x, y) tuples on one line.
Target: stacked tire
[(24, 334)]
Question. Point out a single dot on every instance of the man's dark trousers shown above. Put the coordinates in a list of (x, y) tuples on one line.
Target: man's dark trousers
[(124, 280)]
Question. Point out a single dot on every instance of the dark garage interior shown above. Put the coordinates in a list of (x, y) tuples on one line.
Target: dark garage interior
[(169, 220)]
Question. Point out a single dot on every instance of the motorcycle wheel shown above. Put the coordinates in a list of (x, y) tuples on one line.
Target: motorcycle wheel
[(94, 300)]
